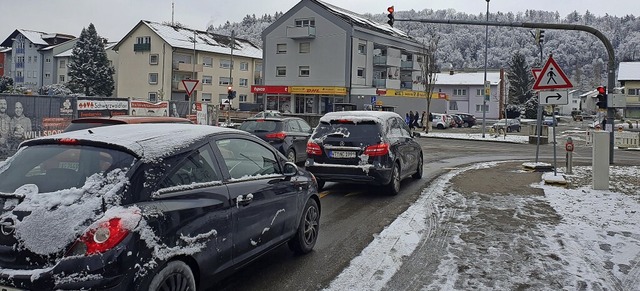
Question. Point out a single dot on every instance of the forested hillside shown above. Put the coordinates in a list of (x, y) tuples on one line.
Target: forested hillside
[(581, 55)]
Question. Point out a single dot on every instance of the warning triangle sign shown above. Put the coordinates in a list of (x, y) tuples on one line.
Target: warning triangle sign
[(552, 77), (189, 85)]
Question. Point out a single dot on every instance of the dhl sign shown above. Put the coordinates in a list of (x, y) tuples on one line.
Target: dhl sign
[(416, 94), (318, 90)]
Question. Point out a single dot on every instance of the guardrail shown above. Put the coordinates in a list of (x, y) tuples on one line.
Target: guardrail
[(621, 139)]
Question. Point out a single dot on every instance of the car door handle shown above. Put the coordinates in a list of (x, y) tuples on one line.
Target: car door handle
[(244, 200)]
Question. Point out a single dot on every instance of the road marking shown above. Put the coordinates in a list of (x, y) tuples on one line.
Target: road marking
[(323, 194), (353, 193)]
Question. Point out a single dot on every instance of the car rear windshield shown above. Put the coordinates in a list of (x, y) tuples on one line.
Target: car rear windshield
[(348, 129), (261, 125), (54, 167), (86, 125)]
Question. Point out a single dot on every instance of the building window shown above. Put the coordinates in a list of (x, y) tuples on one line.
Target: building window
[(153, 78), (153, 97), (243, 82), (244, 66), (362, 48), (207, 80), (29, 59), (281, 71), (153, 59), (479, 108), (206, 97), (35, 59), (305, 47), (459, 92), (303, 71), (47, 60), (225, 64), (207, 62), (143, 39), (242, 98), (633, 92), (305, 22), (47, 75), (281, 48), (63, 64), (223, 81), (479, 92), (61, 78), (361, 73), (453, 105)]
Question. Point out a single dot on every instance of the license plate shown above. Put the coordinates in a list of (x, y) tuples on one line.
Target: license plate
[(343, 154)]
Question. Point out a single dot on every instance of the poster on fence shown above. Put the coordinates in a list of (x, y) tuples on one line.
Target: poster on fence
[(25, 117), (144, 108), (102, 107)]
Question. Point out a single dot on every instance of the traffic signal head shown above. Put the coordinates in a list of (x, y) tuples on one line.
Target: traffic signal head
[(390, 15), (539, 36), (602, 97)]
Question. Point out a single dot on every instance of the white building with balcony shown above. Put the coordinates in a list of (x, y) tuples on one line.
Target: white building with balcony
[(318, 54)]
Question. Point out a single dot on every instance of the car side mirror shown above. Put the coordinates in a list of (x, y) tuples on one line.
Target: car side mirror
[(290, 169)]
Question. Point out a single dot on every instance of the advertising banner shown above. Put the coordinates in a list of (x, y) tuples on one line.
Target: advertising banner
[(94, 107), (144, 108)]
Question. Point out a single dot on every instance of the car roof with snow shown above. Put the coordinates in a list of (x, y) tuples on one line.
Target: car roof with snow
[(147, 141), (356, 116)]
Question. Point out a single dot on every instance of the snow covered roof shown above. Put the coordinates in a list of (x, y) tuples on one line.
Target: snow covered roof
[(377, 116), (5, 49), (36, 37), (179, 37), (63, 54), (149, 141), (629, 71), (467, 78), (362, 21)]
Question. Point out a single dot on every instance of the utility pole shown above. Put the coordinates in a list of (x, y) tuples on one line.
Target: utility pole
[(485, 97), (193, 73), (233, 41)]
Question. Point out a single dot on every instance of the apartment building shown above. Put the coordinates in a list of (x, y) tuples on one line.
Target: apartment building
[(464, 92), (29, 52), (154, 58), (318, 54), (629, 78)]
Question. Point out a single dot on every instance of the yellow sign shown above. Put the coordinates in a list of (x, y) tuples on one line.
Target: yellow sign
[(487, 91), (318, 90), (379, 103), (415, 94)]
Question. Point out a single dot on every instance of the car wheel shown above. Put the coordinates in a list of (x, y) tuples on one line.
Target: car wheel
[(291, 156), (175, 276), (440, 126), (508, 129), (519, 129), (465, 124), (394, 185), (305, 238), (418, 173)]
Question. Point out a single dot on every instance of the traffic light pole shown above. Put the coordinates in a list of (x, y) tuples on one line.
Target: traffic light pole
[(611, 74)]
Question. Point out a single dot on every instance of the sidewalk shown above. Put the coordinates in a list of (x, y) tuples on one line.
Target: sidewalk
[(497, 226)]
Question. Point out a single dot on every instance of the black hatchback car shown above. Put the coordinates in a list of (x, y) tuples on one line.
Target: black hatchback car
[(372, 147), (147, 207), (289, 135)]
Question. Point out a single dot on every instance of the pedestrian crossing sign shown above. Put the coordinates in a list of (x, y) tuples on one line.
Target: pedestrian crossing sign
[(552, 77)]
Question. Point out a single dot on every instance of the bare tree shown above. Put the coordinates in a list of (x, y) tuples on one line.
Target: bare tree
[(428, 71)]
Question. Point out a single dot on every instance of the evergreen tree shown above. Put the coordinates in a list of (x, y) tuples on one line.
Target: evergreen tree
[(520, 79), (5, 83), (89, 70)]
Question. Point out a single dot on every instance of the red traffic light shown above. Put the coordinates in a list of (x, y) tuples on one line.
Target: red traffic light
[(390, 9), (602, 90)]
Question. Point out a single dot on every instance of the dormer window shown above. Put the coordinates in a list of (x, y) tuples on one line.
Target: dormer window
[(308, 22)]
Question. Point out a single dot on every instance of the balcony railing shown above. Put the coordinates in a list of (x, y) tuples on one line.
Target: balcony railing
[(19, 79), (142, 47), (186, 67), (301, 32), (406, 85), (20, 51), (379, 60), (380, 83), (19, 65)]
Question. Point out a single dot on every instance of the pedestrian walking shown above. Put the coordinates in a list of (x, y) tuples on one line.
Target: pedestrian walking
[(416, 117), (424, 121), (407, 120), (411, 120)]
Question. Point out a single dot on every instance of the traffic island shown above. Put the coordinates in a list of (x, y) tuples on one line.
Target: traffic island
[(538, 167)]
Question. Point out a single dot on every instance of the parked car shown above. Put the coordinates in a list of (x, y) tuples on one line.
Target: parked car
[(468, 120), (132, 207), (368, 147), (548, 120), (510, 125), (268, 113), (458, 120), (91, 122), (440, 121), (289, 135)]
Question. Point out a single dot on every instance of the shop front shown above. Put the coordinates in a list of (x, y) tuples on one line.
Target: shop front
[(311, 100)]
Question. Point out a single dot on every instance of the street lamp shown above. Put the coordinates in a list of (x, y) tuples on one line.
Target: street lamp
[(486, 45)]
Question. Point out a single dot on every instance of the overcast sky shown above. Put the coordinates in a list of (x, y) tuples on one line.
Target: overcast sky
[(115, 18)]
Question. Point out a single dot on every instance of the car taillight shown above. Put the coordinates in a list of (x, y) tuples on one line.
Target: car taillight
[(380, 149), (104, 235), (277, 135), (66, 140), (313, 149)]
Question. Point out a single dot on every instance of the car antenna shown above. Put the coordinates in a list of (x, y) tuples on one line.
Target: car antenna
[(91, 132)]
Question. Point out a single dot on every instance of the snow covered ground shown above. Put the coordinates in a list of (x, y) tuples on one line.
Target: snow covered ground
[(512, 138), (576, 239)]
